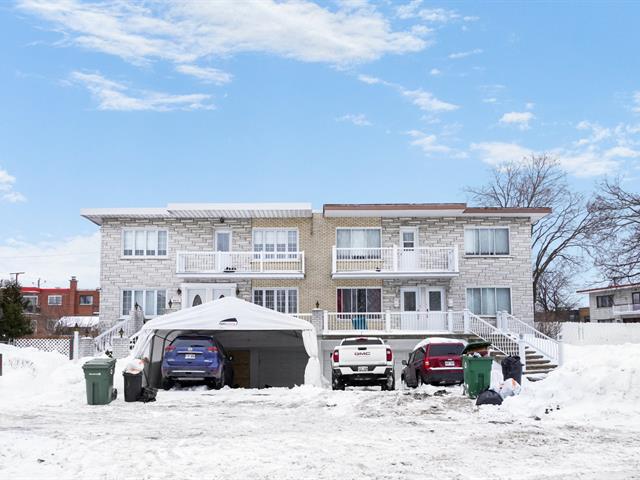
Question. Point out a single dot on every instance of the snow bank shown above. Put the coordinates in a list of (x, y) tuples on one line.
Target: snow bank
[(596, 383)]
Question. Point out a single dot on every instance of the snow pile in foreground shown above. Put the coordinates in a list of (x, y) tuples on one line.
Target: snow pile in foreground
[(595, 383)]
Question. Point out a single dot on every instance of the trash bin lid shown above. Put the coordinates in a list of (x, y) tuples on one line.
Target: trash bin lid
[(99, 363), (474, 346)]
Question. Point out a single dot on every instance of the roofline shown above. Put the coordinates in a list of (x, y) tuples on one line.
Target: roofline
[(611, 287), (393, 206)]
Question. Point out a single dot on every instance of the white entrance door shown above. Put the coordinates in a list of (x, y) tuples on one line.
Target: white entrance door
[(435, 302), (410, 317), (407, 253), (197, 294), (423, 308), (222, 243)]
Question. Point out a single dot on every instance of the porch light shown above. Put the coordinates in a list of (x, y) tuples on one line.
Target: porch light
[(179, 291), (317, 304)]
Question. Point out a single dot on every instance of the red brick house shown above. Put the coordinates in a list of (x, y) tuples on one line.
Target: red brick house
[(47, 305)]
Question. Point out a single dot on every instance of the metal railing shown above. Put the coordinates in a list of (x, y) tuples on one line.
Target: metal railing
[(394, 322), (626, 308), (103, 341), (395, 259), (228, 263), (519, 330)]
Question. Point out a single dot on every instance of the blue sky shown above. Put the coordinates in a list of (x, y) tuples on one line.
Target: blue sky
[(141, 105)]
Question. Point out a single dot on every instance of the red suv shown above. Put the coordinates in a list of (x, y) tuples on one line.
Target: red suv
[(434, 361)]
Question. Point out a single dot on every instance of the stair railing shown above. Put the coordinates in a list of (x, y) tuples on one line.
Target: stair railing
[(499, 339), (543, 344)]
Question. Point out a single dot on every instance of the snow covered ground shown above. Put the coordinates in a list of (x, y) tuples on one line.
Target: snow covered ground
[(47, 431)]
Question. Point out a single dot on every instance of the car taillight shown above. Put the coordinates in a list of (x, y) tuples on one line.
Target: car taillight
[(169, 348), (426, 363), (389, 355), (212, 349), (336, 356)]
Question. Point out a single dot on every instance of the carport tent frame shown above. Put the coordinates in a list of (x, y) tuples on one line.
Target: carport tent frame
[(221, 317)]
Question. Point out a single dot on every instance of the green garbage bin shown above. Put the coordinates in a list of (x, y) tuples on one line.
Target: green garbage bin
[(98, 374), (477, 374)]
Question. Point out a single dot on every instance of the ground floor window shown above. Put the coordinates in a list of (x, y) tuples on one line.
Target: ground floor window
[(488, 301), (359, 300), (152, 302), (283, 300)]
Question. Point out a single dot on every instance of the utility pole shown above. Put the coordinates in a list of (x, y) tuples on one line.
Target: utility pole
[(17, 274)]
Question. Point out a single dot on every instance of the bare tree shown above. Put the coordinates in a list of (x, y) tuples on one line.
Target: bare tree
[(555, 291), (616, 243), (538, 181)]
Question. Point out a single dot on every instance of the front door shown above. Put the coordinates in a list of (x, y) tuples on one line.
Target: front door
[(407, 254), (423, 308), (197, 294), (635, 301), (409, 306), (223, 245)]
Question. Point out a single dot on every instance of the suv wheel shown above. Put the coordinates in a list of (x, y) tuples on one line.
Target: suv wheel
[(167, 383)]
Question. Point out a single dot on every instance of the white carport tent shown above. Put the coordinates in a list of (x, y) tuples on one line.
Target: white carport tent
[(274, 339)]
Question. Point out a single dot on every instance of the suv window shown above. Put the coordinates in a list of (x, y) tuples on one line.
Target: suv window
[(193, 342), (444, 349), (418, 355), (363, 341)]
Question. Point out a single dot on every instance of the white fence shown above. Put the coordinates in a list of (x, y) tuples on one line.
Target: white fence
[(239, 263), (395, 259), (395, 322), (600, 333), (61, 345)]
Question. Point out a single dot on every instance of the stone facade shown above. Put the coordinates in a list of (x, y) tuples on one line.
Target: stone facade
[(317, 236)]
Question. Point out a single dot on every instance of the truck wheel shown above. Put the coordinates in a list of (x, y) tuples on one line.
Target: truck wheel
[(389, 383), (337, 383)]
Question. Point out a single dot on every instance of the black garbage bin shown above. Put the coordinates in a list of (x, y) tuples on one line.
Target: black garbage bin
[(132, 386), (512, 368)]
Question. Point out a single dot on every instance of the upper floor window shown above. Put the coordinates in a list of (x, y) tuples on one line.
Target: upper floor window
[(604, 301), (283, 300), (358, 243), (486, 241), (144, 243), (488, 301), (86, 299), (276, 243), (32, 303), (152, 302), (54, 300)]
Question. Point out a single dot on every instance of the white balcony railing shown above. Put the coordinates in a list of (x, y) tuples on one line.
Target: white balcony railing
[(394, 322), (394, 261), (240, 264), (627, 309)]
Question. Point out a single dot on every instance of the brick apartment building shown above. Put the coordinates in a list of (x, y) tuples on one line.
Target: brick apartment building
[(47, 305)]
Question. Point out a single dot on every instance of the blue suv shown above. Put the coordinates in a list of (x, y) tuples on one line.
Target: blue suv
[(196, 357)]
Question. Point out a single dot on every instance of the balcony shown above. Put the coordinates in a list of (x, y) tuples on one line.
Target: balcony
[(395, 262), (403, 323), (628, 309), (240, 265)]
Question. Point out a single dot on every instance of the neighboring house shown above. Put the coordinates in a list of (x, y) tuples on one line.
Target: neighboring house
[(617, 303), (47, 305), (364, 259)]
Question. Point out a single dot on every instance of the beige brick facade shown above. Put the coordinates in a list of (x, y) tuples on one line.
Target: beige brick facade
[(316, 237)]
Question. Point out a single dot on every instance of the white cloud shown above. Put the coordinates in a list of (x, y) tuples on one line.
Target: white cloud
[(427, 102), (185, 32), (433, 15), (53, 261), (206, 74), (371, 80), (435, 72), (358, 119), (519, 119), (430, 145), (7, 192), (529, 105), (621, 152), (457, 55), (112, 95), (496, 153)]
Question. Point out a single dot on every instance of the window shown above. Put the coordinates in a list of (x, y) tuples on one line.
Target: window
[(604, 301), (54, 300), (486, 241), (358, 243), (152, 302), (359, 300), (31, 303), (488, 301), (276, 243), (281, 299), (144, 243), (86, 299)]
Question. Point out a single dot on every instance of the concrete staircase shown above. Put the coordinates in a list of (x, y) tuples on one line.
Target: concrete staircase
[(536, 365)]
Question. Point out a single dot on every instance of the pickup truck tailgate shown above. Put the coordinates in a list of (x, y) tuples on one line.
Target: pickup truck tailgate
[(353, 355)]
